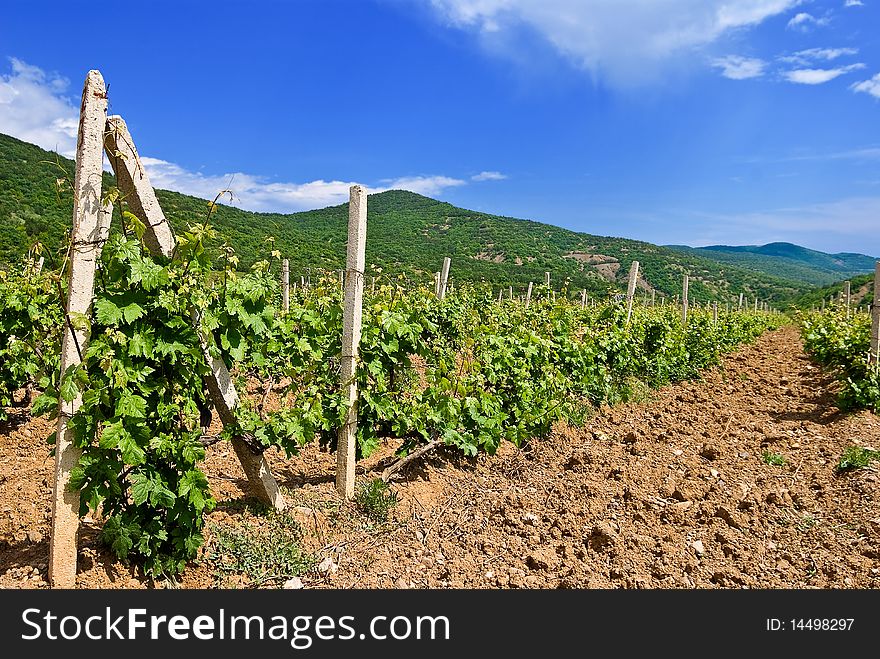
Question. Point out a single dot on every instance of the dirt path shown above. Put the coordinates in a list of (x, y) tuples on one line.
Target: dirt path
[(669, 492)]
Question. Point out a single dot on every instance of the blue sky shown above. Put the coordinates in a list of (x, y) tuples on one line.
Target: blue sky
[(672, 121)]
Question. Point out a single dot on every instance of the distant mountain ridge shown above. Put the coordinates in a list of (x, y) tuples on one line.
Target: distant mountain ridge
[(788, 261)]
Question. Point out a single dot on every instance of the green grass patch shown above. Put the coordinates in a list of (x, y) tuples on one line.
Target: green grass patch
[(261, 548), (856, 457), (773, 459), (375, 500)]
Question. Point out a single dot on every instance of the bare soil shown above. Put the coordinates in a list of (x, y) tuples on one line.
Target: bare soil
[(673, 491)]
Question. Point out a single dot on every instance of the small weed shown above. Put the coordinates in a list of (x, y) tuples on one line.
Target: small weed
[(806, 522), (773, 459), (261, 548), (375, 500), (856, 457)]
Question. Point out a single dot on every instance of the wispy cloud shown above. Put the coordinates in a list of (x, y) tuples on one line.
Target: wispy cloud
[(829, 226), (739, 68), (489, 176), (817, 54), (853, 3), (34, 107), (625, 42), (871, 86), (805, 22), (819, 76)]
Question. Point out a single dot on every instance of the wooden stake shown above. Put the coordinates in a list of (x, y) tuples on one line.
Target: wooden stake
[(444, 276), (91, 224), (159, 239), (351, 336), (631, 288), (684, 301), (285, 285)]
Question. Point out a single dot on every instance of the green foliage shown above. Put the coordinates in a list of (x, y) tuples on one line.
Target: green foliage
[(375, 500), (30, 329), (261, 548), (773, 459), (856, 457), (861, 292), (842, 344)]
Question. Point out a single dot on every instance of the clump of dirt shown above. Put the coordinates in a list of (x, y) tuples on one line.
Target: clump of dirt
[(725, 482)]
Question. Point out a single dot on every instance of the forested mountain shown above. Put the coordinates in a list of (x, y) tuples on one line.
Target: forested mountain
[(408, 234)]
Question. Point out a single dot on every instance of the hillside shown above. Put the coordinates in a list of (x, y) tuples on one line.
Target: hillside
[(861, 293), (408, 234), (788, 261)]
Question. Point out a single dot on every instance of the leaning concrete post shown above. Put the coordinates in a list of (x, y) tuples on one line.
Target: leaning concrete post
[(285, 285), (135, 185), (91, 223), (444, 277), (684, 300), (875, 317), (847, 291), (631, 288), (351, 337), (160, 241), (529, 295)]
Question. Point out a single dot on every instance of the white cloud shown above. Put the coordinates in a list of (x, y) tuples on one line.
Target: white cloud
[(818, 54), (871, 86), (804, 22), (853, 3), (739, 68), (34, 108), (489, 176), (254, 193), (625, 42), (819, 76)]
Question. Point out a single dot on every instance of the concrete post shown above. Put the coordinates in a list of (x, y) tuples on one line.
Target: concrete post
[(631, 288), (875, 316), (285, 285), (351, 336), (547, 279), (847, 291), (715, 312), (444, 276), (684, 301), (740, 302), (159, 239), (91, 224), (529, 295), (437, 284)]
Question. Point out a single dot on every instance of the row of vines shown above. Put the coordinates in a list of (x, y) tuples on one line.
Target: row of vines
[(842, 342), (466, 371)]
